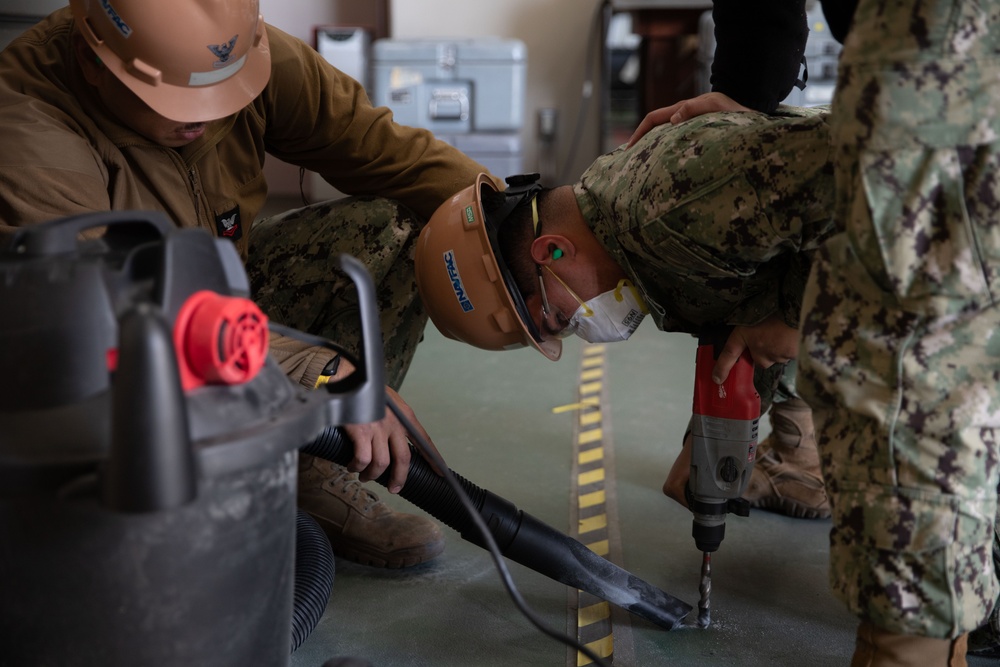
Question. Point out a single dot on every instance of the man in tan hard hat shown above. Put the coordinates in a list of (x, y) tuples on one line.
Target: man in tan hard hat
[(174, 106), (709, 223)]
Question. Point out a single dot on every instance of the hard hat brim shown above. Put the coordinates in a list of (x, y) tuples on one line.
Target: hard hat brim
[(551, 348), (198, 103), (466, 287), (469, 294)]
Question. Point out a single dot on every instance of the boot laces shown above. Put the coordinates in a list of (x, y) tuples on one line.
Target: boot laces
[(351, 486)]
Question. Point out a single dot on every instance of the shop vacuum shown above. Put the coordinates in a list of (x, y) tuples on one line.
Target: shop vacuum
[(148, 453), (148, 459)]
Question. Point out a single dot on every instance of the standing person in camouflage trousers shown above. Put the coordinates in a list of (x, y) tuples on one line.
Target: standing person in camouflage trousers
[(174, 107), (900, 352), (898, 355), (708, 224)]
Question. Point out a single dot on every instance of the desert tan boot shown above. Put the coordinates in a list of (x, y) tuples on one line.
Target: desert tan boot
[(786, 477), (359, 525)]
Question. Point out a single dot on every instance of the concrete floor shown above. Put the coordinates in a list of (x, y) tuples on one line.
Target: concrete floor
[(499, 419), (505, 422)]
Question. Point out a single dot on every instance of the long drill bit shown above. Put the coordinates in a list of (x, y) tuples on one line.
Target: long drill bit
[(705, 588)]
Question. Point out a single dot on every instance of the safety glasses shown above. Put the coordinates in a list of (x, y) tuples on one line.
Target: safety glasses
[(551, 324)]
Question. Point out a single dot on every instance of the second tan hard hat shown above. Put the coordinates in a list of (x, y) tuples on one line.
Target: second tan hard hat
[(464, 283), (188, 60)]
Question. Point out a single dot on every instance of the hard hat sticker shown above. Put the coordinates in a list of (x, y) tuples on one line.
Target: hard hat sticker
[(119, 22), (223, 72), (470, 215), (223, 51), (456, 281)]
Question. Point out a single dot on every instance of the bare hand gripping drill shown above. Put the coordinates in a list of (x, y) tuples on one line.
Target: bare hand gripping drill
[(724, 447)]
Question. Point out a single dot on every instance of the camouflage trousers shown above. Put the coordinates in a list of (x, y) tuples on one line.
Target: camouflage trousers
[(900, 354), (295, 279)]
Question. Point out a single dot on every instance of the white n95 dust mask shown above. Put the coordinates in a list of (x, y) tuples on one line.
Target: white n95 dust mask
[(609, 317)]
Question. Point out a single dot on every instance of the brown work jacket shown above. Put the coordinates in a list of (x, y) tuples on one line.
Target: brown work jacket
[(62, 151)]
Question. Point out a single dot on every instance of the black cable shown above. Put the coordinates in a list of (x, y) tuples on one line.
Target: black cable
[(491, 544), (431, 454)]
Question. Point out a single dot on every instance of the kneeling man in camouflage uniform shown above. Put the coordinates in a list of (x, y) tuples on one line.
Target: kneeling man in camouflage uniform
[(705, 224)]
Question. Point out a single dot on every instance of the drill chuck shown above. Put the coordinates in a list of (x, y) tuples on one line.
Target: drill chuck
[(709, 524)]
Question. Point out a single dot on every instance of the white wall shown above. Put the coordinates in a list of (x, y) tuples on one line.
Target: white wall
[(298, 17)]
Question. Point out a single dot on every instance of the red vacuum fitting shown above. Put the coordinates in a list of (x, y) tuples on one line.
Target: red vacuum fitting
[(219, 340)]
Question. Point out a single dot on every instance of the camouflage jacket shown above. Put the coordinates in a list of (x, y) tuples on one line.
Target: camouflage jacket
[(715, 219)]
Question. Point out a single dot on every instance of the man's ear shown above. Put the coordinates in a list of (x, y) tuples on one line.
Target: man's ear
[(89, 62), (549, 248)]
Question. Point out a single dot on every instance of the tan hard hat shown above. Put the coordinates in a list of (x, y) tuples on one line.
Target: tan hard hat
[(188, 60), (465, 285)]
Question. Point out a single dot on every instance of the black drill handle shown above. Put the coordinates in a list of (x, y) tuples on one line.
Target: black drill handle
[(716, 336)]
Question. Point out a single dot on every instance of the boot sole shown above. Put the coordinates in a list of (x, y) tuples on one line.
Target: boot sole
[(393, 560)]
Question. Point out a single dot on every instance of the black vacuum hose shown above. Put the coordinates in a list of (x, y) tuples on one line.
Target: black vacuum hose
[(314, 568), (518, 535), (428, 490)]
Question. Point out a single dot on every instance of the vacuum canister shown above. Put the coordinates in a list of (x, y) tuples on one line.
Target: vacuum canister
[(148, 451)]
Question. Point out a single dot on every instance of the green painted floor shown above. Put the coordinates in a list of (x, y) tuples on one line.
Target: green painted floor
[(499, 420)]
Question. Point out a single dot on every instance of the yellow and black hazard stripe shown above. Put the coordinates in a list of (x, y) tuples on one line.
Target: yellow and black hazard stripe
[(592, 511)]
